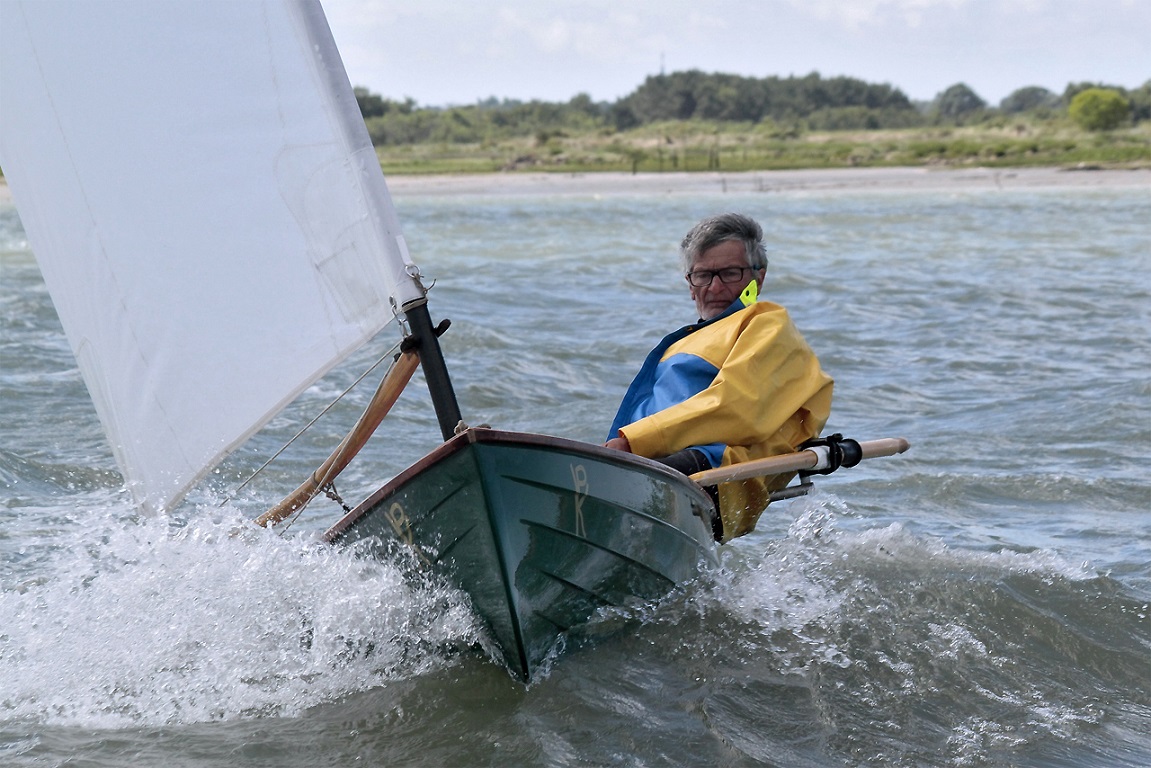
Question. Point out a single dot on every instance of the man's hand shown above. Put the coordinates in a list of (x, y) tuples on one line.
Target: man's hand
[(619, 444)]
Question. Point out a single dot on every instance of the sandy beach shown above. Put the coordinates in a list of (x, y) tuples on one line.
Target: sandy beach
[(823, 180), (846, 180)]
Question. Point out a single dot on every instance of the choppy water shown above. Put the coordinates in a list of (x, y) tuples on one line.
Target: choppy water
[(983, 600)]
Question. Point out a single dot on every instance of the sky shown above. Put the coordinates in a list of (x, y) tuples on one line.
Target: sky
[(445, 52)]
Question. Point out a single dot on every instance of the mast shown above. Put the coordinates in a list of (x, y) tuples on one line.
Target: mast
[(425, 340)]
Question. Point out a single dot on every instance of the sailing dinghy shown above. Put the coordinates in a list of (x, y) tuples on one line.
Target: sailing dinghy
[(216, 234)]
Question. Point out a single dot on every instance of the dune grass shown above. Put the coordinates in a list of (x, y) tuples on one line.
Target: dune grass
[(699, 146)]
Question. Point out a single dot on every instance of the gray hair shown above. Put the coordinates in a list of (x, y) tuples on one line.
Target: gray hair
[(719, 229)]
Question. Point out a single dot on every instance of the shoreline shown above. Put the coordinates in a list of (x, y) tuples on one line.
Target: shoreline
[(898, 179)]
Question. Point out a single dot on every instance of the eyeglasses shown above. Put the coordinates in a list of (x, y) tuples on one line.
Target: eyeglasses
[(701, 278)]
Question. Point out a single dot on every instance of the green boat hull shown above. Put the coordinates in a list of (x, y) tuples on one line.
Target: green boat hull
[(541, 532)]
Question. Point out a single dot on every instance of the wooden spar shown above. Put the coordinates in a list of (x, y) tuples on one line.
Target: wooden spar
[(793, 462), (382, 402)]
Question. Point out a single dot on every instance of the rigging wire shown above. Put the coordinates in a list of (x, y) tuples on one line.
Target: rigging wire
[(327, 484), (389, 353)]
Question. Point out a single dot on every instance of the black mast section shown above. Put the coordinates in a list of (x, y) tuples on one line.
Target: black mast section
[(425, 340)]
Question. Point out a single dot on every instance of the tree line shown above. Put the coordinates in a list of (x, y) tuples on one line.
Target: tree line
[(787, 104)]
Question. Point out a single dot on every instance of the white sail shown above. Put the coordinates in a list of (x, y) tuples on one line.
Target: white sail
[(206, 208)]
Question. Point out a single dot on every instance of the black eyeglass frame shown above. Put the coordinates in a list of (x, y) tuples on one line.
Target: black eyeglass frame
[(735, 273)]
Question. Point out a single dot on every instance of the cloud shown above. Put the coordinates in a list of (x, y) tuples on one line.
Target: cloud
[(549, 35), (913, 14), (855, 14), (449, 52), (591, 30)]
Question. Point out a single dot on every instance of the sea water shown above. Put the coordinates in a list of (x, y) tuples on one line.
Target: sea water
[(984, 599)]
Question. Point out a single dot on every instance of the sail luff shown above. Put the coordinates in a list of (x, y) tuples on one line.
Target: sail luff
[(362, 153), (206, 209)]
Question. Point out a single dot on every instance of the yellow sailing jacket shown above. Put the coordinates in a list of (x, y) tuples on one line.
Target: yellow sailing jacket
[(742, 386)]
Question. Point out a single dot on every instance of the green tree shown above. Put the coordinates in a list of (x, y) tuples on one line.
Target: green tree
[(1074, 89), (697, 95), (958, 102), (1028, 99), (371, 104), (1099, 109), (1140, 99), (582, 103)]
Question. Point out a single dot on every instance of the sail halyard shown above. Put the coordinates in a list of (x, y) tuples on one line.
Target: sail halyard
[(206, 209)]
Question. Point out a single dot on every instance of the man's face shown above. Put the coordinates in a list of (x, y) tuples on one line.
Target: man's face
[(712, 299)]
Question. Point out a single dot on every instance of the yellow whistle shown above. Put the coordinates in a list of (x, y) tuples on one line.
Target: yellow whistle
[(750, 294)]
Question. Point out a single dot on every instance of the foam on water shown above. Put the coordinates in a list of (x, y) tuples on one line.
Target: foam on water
[(148, 621), (879, 635)]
